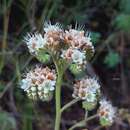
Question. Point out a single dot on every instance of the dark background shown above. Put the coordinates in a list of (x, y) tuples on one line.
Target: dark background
[(109, 24)]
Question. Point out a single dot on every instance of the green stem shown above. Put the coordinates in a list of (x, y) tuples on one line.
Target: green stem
[(69, 104), (82, 122), (58, 93), (58, 102)]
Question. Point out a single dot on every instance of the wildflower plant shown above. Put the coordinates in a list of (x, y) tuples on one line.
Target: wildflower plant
[(68, 49)]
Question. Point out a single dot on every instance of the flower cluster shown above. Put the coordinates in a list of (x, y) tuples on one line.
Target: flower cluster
[(39, 83), (78, 44), (107, 112), (86, 89), (67, 48), (71, 45)]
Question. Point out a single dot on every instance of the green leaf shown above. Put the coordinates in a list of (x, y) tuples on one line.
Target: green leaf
[(95, 37), (122, 22), (43, 57), (112, 59)]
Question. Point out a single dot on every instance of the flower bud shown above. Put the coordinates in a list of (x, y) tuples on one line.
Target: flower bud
[(43, 57), (76, 69), (88, 106)]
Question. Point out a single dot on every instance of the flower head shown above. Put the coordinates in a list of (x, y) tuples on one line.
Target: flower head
[(75, 44), (78, 39), (86, 89), (39, 82), (34, 42), (107, 112), (53, 34)]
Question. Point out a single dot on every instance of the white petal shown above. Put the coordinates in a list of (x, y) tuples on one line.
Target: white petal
[(46, 90), (52, 88)]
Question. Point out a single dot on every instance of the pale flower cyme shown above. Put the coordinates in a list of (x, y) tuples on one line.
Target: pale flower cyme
[(107, 111), (39, 82), (86, 89)]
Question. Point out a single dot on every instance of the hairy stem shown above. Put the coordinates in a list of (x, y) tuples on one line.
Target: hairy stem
[(58, 93)]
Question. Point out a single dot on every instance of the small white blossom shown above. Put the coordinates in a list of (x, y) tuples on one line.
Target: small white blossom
[(74, 56), (34, 42), (107, 112), (48, 85), (86, 89), (78, 57), (25, 84)]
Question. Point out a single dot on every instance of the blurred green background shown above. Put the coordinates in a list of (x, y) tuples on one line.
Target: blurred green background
[(109, 24)]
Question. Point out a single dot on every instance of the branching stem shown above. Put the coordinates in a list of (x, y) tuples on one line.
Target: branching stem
[(82, 122), (69, 104)]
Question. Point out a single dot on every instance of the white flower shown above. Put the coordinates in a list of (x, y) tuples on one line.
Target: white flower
[(86, 89), (25, 84), (93, 84), (78, 56), (34, 42), (107, 112), (48, 85), (74, 56)]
